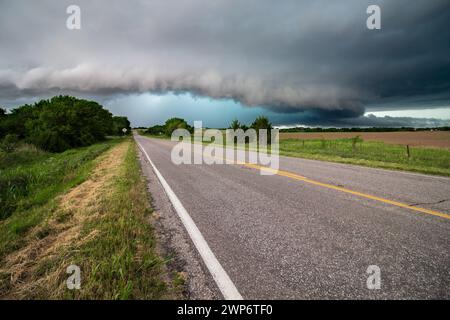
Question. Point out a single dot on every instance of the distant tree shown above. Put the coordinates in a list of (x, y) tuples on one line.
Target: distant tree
[(2, 112), (176, 123), (262, 123), (119, 123), (235, 124), (156, 130)]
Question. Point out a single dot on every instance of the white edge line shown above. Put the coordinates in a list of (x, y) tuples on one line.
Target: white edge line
[(223, 281)]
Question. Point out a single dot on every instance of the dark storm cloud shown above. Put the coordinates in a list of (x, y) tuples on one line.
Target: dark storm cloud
[(286, 56)]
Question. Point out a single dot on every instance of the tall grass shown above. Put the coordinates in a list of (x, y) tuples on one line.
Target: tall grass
[(24, 154), (29, 186), (30, 176), (109, 236), (123, 262)]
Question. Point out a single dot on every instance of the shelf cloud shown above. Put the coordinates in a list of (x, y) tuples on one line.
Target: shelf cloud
[(316, 56)]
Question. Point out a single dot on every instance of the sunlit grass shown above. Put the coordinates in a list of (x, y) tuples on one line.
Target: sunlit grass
[(370, 153)]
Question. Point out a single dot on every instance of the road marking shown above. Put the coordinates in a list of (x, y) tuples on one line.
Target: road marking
[(330, 186), (360, 194), (223, 281)]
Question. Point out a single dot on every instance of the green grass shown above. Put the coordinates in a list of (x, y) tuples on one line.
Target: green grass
[(29, 185), (162, 136), (122, 263), (24, 154), (375, 154), (110, 237), (370, 153)]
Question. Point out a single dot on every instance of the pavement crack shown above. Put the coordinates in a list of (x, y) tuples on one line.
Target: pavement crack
[(429, 203)]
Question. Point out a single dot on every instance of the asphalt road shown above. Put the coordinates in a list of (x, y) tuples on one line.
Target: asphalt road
[(279, 237)]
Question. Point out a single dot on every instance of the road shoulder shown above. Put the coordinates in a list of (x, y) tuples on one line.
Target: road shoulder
[(174, 242)]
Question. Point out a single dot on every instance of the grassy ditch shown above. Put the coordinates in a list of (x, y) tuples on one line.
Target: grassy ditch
[(30, 179), (102, 225)]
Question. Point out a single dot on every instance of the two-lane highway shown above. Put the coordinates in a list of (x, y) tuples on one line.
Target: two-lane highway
[(282, 237)]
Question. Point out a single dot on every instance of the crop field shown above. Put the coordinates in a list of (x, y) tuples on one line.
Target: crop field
[(438, 139)]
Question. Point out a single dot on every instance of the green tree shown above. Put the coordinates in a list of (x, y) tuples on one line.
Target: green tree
[(60, 123), (176, 123), (119, 123), (16, 121), (156, 130), (262, 123), (235, 124)]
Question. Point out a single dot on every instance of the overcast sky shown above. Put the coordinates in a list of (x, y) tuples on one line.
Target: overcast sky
[(299, 62)]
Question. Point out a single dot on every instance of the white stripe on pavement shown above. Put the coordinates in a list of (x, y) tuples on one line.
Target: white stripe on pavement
[(223, 281)]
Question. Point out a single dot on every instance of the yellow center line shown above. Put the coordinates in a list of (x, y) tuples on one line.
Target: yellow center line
[(356, 193), (330, 186)]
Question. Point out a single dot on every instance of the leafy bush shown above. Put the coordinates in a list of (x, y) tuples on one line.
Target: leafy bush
[(9, 143)]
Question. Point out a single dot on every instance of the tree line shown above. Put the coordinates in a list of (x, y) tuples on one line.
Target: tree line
[(172, 124), (60, 123)]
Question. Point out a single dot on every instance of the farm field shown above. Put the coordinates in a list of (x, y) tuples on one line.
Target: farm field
[(438, 139)]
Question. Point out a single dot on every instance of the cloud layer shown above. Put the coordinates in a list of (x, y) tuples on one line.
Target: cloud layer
[(287, 57)]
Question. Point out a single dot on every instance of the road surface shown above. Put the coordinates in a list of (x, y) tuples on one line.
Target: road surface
[(281, 237)]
